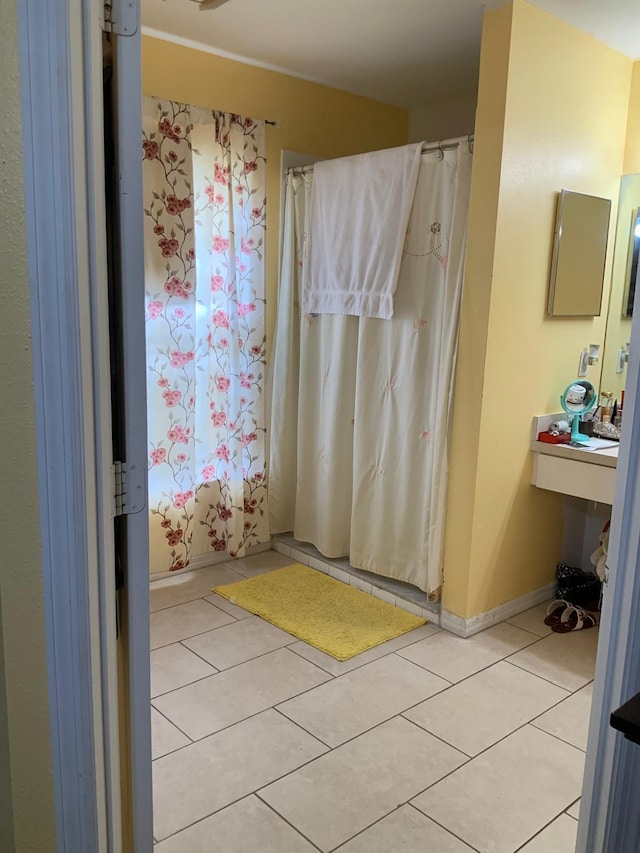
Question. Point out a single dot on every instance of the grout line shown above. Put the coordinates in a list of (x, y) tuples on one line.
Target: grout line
[(366, 663), (482, 752), (300, 726), (175, 727), (557, 737), (236, 665), (249, 716), (555, 684), (188, 684), (288, 822), (540, 831), (249, 793), (189, 600), (442, 826)]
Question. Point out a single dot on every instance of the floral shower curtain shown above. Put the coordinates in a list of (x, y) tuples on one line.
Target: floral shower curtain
[(360, 409), (204, 200)]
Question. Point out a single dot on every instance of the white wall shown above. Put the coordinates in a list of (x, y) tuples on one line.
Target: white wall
[(442, 121)]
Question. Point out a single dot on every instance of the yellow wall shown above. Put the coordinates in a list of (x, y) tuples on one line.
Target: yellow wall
[(632, 147), (26, 788), (443, 120), (553, 107), (313, 119)]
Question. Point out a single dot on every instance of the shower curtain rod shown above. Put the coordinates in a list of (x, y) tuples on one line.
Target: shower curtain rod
[(441, 145)]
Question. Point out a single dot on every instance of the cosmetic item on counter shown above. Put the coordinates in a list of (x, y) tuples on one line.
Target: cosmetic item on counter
[(560, 426), (557, 438), (606, 405)]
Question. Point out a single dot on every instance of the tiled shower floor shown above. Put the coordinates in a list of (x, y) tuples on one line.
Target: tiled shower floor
[(426, 743)]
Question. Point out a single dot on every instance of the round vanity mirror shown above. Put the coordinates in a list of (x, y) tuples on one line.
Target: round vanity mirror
[(578, 399)]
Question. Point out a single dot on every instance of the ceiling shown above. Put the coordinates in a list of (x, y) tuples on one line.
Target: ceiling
[(410, 53)]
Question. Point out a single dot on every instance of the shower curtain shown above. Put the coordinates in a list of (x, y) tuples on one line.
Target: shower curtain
[(204, 197), (360, 407)]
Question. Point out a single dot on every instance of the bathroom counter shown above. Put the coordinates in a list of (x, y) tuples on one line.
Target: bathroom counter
[(587, 472), (597, 452)]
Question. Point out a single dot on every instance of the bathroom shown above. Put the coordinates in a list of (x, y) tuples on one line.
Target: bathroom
[(570, 125)]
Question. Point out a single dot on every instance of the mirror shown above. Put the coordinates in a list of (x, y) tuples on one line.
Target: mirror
[(618, 331), (632, 265), (579, 252), (578, 399)]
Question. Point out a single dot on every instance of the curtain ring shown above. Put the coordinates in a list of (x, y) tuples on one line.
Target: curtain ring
[(470, 143), (439, 151)]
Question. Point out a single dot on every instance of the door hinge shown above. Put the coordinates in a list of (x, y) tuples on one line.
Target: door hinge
[(119, 17), (128, 488)]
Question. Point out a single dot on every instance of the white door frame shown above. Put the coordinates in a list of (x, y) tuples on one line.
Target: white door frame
[(610, 817), (62, 123)]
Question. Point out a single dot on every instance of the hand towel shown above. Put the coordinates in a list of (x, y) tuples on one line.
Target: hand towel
[(359, 213)]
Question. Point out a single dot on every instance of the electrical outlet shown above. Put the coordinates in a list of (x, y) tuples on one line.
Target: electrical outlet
[(622, 361)]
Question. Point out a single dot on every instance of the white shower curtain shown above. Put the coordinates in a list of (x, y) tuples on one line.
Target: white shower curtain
[(360, 407)]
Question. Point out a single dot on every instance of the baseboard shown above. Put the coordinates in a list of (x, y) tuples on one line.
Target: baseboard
[(468, 627), (204, 561)]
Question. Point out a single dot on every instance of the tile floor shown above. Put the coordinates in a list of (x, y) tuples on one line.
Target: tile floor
[(427, 742)]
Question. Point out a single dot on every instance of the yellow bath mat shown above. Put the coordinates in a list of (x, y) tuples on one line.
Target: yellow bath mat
[(336, 618)]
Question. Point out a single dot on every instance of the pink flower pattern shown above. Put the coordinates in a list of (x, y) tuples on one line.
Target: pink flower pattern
[(204, 252)]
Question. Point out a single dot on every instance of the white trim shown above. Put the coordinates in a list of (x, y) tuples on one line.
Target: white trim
[(610, 818), (57, 126), (468, 627), (247, 60), (132, 530)]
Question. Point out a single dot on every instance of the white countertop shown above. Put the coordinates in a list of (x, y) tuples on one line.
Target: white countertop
[(597, 451)]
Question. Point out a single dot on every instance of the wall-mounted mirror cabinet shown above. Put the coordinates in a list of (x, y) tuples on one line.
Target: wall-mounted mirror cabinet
[(579, 254)]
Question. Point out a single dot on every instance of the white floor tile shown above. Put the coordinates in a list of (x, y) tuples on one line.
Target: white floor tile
[(259, 564), (340, 667), (570, 719), (240, 642), (568, 660), (574, 811), (559, 837), (488, 706), (235, 694), (188, 586), (502, 798), (345, 791), (174, 666), (349, 705), (227, 606), (177, 623), (200, 779), (244, 827), (165, 737), (455, 658), (406, 830), (533, 620)]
